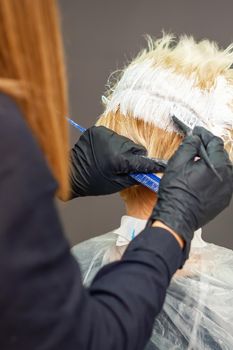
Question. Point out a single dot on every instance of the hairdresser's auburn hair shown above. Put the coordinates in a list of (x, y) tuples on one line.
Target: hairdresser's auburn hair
[(202, 61), (32, 72)]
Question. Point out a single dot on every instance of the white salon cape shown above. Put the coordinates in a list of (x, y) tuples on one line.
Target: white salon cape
[(198, 309)]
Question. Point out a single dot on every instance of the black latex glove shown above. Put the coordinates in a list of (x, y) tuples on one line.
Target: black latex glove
[(190, 194), (101, 161)]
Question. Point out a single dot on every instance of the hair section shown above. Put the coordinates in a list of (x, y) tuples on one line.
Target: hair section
[(158, 143), (189, 79)]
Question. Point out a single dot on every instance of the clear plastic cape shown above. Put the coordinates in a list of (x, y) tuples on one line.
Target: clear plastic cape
[(198, 309)]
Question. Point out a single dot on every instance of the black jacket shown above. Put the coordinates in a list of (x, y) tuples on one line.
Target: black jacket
[(43, 305)]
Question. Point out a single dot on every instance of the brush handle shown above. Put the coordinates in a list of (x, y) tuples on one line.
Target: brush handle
[(203, 154)]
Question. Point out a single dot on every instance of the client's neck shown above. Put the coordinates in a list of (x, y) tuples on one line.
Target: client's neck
[(141, 206)]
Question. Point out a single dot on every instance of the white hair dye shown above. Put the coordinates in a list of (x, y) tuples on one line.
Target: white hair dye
[(154, 94)]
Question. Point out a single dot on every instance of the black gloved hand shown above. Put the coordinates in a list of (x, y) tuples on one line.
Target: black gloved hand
[(190, 194), (101, 161)]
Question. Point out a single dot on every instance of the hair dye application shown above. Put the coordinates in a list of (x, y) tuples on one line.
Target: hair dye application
[(193, 81), (188, 79)]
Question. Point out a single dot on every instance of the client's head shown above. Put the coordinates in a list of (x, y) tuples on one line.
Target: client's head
[(192, 80)]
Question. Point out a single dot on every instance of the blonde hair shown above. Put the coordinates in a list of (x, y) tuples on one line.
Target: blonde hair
[(158, 142), (32, 72), (203, 59), (203, 62)]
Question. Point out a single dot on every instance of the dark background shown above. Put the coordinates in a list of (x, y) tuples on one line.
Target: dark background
[(99, 37)]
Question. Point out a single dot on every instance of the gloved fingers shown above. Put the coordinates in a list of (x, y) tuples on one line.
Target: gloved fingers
[(116, 145), (113, 141), (162, 162), (214, 147), (125, 181), (205, 135), (187, 151), (119, 143), (141, 164), (134, 148), (217, 154), (132, 158), (128, 145)]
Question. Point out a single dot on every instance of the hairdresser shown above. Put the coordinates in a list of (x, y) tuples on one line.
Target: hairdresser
[(43, 304)]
